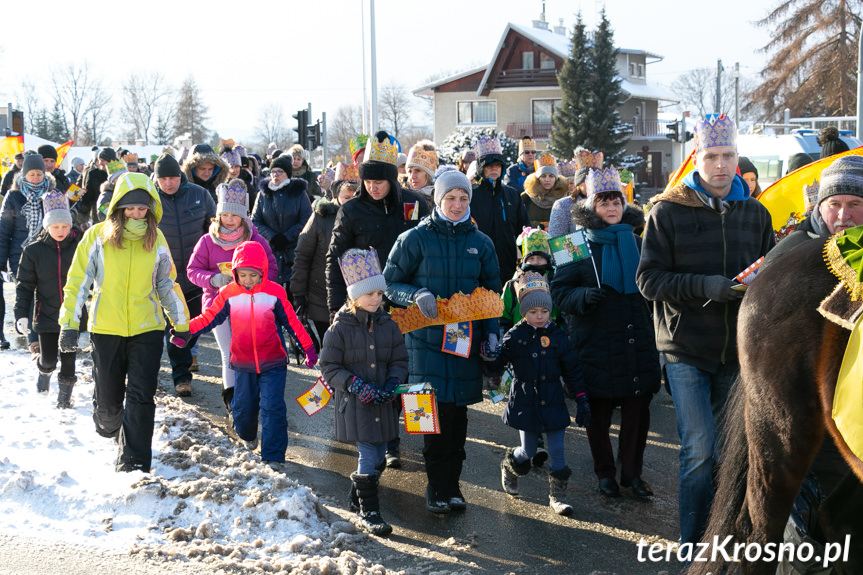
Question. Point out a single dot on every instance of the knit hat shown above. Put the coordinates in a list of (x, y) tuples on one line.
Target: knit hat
[(107, 154), (545, 164), (830, 141), (402, 160), (167, 166), (47, 151), (55, 206), (798, 160), (488, 152), (283, 162), (32, 162), (380, 159), (450, 179), (843, 176), (77, 162), (233, 198), (526, 144), (19, 156), (720, 131), (423, 158), (362, 272), (532, 291), (746, 166), (534, 241), (133, 199)]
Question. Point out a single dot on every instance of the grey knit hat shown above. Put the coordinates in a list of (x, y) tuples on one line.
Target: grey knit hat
[(32, 162), (843, 177), (533, 291), (450, 179)]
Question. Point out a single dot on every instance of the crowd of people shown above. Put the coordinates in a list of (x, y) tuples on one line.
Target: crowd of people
[(276, 259)]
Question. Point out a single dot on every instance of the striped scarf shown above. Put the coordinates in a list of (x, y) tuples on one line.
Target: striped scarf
[(32, 208)]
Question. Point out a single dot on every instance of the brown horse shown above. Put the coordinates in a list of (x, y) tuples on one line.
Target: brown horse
[(779, 411)]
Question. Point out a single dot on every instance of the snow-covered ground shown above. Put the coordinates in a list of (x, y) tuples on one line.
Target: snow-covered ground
[(207, 499)]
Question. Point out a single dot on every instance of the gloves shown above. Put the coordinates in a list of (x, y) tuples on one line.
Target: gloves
[(582, 411), (68, 342), (718, 289), (22, 326), (492, 382), (300, 306), (220, 280), (180, 338), (368, 392), (427, 303), (391, 384), (279, 242), (594, 295), (311, 356), (489, 349)]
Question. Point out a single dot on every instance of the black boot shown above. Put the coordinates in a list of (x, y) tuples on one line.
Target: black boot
[(541, 455), (369, 516), (3, 343), (43, 384), (511, 470), (64, 398)]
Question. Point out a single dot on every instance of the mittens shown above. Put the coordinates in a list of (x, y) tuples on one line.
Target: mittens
[(220, 280), (594, 295), (68, 342), (22, 326), (427, 303), (180, 338), (311, 356), (279, 242), (582, 410)]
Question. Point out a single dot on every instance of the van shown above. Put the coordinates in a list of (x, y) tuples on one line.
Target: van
[(770, 154)]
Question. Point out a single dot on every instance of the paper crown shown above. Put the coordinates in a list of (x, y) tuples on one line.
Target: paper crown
[(326, 178), (526, 145), (115, 169), (625, 177), (385, 151), (232, 157), (362, 272), (585, 159), (54, 200), (531, 282), (154, 157), (130, 158), (226, 143), (718, 132), (240, 150), (486, 146), (566, 169), (810, 195), (358, 143), (347, 173), (603, 181), (231, 194), (468, 156), (543, 161), (533, 240), (425, 159)]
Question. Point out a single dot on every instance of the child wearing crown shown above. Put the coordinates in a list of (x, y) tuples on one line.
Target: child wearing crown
[(539, 354), (364, 358)]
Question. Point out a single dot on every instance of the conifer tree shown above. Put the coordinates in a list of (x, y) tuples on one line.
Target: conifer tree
[(191, 114), (569, 130)]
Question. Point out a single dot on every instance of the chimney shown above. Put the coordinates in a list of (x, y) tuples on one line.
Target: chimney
[(541, 24), (560, 28)]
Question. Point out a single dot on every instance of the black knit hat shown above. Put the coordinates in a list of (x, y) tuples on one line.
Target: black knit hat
[(285, 163), (47, 151), (167, 167), (108, 154), (745, 165), (830, 142), (798, 160), (136, 197)]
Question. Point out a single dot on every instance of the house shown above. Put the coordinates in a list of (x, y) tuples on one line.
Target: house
[(517, 92)]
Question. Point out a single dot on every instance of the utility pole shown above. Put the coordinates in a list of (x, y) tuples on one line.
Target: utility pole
[(737, 93), (365, 90), (374, 125), (324, 138), (717, 107)]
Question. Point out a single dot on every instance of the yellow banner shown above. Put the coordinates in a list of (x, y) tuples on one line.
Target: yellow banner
[(848, 399), (8, 148)]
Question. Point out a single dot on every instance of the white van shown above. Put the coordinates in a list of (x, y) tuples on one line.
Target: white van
[(770, 154)]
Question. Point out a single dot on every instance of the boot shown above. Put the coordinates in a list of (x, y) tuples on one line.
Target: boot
[(64, 398), (369, 516), (43, 384), (511, 470), (557, 481), (541, 455), (353, 500), (4, 344)]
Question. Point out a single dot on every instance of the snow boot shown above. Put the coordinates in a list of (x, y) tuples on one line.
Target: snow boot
[(64, 397), (369, 516), (511, 470), (43, 384), (557, 481), (353, 500)]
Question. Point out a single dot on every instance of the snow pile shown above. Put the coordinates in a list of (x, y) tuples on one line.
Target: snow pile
[(207, 498)]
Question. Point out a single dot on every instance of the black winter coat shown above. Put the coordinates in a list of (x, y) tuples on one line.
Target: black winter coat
[(501, 215), (13, 229), (284, 211), (309, 275), (91, 180), (614, 339), (539, 358), (369, 346)]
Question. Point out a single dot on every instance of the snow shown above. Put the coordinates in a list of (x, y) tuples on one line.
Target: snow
[(207, 498)]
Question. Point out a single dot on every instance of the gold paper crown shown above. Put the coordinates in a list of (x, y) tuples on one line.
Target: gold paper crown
[(358, 143), (719, 132), (603, 181), (485, 146), (358, 265), (585, 159), (526, 145), (347, 173), (386, 151), (130, 158), (480, 304), (425, 159), (810, 195), (531, 282), (543, 161), (115, 167), (566, 169)]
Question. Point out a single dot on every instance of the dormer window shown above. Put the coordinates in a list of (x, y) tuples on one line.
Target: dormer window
[(527, 60)]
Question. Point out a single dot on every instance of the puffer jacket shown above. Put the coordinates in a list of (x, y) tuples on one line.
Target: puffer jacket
[(539, 357), (130, 284), (42, 272), (313, 189), (206, 155), (257, 316), (614, 339), (309, 274), (500, 214), (284, 211), (539, 201), (186, 216), (515, 176), (444, 258), (13, 225), (365, 222), (369, 346)]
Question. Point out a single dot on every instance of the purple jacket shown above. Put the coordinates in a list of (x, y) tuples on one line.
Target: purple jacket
[(207, 256)]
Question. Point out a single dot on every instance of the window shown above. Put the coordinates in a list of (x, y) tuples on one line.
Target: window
[(477, 112), (543, 111), (641, 70), (527, 60), (633, 70), (546, 62)]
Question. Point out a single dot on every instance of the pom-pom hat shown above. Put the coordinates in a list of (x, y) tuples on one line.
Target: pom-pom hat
[(362, 272)]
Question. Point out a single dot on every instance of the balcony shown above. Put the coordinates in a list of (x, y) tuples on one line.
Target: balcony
[(536, 130), (640, 129), (519, 78), (648, 129)]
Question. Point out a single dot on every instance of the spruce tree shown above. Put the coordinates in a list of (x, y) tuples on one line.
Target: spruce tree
[(191, 114), (606, 132), (569, 129)]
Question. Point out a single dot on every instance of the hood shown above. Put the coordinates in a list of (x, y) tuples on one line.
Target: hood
[(586, 218), (250, 254), (16, 182), (136, 181), (326, 207), (542, 197), (220, 172)]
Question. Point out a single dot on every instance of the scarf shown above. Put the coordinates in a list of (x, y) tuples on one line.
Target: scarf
[(134, 230), (619, 256), (32, 208), (275, 187), (818, 224), (465, 218), (225, 238), (739, 188)]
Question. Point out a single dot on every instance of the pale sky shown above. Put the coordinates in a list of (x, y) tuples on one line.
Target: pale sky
[(247, 55)]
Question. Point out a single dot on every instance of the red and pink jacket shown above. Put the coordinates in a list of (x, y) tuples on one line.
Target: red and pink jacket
[(257, 316)]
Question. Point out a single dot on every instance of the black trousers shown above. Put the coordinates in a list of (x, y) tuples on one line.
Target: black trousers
[(48, 356), (181, 358), (634, 425), (126, 373), (444, 452)]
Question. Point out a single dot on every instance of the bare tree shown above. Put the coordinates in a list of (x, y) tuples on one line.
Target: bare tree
[(273, 127), (345, 124), (142, 96), (697, 92), (95, 121), (395, 107), (75, 89), (29, 95)]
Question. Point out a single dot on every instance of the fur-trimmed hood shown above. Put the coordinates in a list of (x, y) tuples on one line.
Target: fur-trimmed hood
[(540, 196), (585, 217), (326, 207), (679, 194), (220, 173), (16, 183)]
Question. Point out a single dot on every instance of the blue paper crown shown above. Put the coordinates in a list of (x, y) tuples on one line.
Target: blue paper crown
[(720, 132), (54, 200), (485, 146), (357, 265), (228, 194), (603, 181)]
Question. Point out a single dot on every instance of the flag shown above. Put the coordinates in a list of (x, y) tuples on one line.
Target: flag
[(316, 398), (847, 409), (746, 276), (569, 248), (9, 146), (62, 150), (411, 211), (420, 412), (785, 196), (503, 389), (456, 338), (681, 172), (75, 192)]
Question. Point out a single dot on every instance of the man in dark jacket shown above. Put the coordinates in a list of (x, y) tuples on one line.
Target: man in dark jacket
[(517, 173), (206, 169), (10, 174), (94, 175), (49, 156), (497, 208), (698, 236), (187, 210)]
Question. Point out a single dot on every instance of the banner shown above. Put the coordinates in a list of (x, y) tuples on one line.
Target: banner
[(8, 148), (480, 304), (569, 248), (316, 398), (62, 150), (420, 413)]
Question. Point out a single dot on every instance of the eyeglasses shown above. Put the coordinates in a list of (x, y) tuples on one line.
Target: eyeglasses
[(278, 172), (530, 153)]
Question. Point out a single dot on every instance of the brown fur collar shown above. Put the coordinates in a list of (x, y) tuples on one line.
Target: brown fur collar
[(195, 159), (586, 218), (679, 194), (540, 196), (326, 207)]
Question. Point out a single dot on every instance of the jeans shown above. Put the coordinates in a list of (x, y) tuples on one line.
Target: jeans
[(371, 456), (698, 397), (529, 442)]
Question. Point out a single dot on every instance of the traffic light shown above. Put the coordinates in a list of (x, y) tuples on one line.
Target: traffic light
[(689, 136), (313, 135), (673, 131), (302, 127)]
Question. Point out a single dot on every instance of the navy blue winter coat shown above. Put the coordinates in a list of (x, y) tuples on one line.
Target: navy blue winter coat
[(444, 258), (13, 229), (284, 211)]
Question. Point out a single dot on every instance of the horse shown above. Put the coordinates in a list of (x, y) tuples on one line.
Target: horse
[(778, 413)]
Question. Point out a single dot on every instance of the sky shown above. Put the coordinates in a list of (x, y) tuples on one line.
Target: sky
[(246, 56)]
